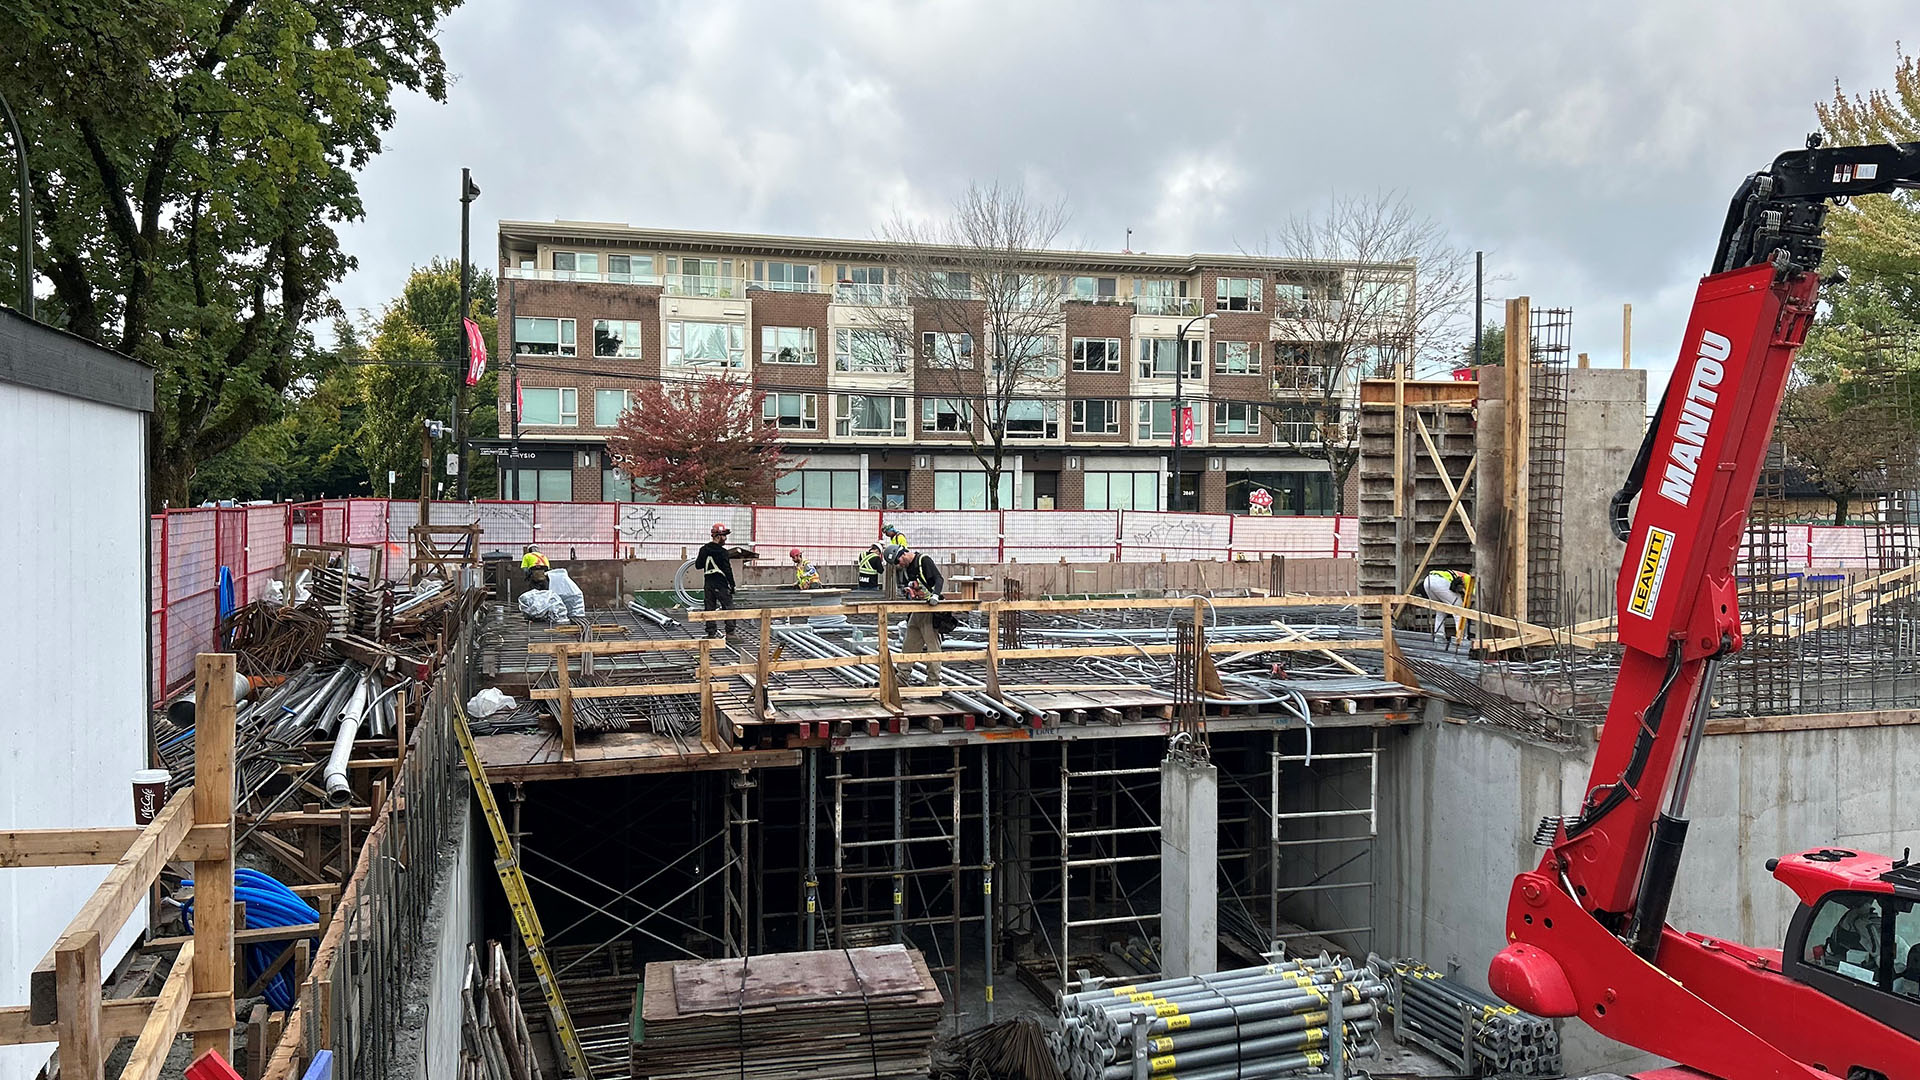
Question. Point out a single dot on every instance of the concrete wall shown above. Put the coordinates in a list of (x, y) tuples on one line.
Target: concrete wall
[(1606, 418), (1461, 803), (430, 1042), (77, 653)]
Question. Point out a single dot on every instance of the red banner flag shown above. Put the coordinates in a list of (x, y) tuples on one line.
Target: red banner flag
[(476, 352)]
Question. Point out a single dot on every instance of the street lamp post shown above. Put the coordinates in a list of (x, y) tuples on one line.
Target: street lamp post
[(1179, 385), (469, 191)]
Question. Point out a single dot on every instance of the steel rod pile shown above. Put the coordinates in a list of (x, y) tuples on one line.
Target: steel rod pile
[(1248, 1024), (1008, 1050), (1472, 1031), (827, 1015)]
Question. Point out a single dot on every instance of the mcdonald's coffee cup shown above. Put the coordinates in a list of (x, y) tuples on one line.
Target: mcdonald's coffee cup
[(149, 794)]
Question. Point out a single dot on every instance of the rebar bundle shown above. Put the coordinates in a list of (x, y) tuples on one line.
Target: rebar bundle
[(1472, 1031), (1249, 1024), (272, 639), (1008, 1050)]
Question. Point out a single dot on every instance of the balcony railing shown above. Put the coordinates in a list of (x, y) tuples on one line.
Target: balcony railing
[(1167, 305), (1300, 378), (864, 295), (531, 273)]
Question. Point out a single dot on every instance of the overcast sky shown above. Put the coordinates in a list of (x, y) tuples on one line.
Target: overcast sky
[(1591, 155)]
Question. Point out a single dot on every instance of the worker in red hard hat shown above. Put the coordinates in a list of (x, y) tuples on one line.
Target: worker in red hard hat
[(804, 575), (715, 563)]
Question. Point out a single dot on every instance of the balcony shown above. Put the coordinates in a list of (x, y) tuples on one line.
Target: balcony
[(864, 295), (1300, 379), (1166, 305), (529, 273)]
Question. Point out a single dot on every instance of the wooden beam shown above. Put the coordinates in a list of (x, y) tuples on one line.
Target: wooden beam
[(170, 1008), (1753, 725), (77, 982), (213, 739), (564, 671), (90, 847), (117, 899), (709, 717), (123, 1018), (993, 652), (1440, 467), (762, 674), (1399, 439), (1538, 635), (1519, 435), (1433, 544), (1626, 335)]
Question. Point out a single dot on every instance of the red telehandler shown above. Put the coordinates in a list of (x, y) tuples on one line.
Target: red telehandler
[(1586, 930)]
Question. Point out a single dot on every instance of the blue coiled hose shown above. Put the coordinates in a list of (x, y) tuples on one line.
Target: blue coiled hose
[(269, 904)]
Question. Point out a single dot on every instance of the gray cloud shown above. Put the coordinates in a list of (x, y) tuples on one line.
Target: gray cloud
[(1590, 152)]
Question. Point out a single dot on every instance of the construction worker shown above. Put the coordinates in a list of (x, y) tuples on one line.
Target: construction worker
[(920, 580), (1448, 587), (535, 566), (891, 534), (804, 575), (868, 566), (715, 563)]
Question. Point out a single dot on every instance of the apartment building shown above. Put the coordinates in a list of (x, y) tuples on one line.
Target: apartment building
[(591, 312)]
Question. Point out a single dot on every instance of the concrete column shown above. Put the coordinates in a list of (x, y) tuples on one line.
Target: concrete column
[(1189, 867)]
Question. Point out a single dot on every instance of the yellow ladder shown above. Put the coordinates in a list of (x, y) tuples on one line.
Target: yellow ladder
[(507, 865)]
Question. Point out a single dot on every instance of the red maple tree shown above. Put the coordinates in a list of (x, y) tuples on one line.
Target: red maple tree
[(700, 442)]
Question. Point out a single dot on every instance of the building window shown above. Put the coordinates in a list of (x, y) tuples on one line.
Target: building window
[(1294, 370), (1289, 296), (1039, 491), (1236, 358), (959, 490), (1296, 424), (787, 345), (886, 489), (1092, 288), (1096, 416), (1030, 356), (870, 285), (1381, 298), (1236, 294), (609, 406), (1156, 420), (541, 485), (1156, 356), (1236, 418), (617, 486), (1163, 296), (706, 345), (1033, 420), (945, 414), (1121, 491), (791, 412), (876, 416), (1096, 354), (616, 337), (700, 277), (1291, 493), (786, 276), (949, 352), (544, 337), (630, 268), (819, 489), (867, 351), (584, 263), (950, 284), (549, 406)]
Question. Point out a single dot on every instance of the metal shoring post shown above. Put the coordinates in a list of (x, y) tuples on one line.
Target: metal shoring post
[(519, 798), (1066, 862), (729, 859), (954, 847), (1336, 1043), (839, 848), (899, 854), (1273, 836), (813, 872), (986, 873)]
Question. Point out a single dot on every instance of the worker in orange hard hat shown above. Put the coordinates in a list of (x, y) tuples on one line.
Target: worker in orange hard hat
[(804, 575), (715, 563)]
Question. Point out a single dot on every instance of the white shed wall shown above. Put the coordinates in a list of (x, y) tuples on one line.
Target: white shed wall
[(74, 525)]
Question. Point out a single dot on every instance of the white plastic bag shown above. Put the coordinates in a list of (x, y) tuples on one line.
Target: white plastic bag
[(275, 593), (542, 606), (487, 702), (562, 586)]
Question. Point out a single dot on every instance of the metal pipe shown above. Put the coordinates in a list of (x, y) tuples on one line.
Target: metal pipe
[(348, 727)]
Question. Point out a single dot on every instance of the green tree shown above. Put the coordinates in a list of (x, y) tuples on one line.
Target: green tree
[(1493, 347), (1876, 239), (191, 163), (409, 376), (309, 453)]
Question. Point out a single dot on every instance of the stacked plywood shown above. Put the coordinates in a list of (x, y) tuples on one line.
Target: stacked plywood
[(818, 1015)]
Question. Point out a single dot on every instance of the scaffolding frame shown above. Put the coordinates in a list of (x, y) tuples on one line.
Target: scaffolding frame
[(1277, 892)]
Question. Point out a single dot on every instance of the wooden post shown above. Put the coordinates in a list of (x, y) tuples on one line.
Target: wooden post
[(1394, 667), (1626, 335), (407, 698), (889, 691), (709, 725), (762, 695), (1519, 364), (213, 736), (1584, 362), (1399, 438), (993, 650), (76, 968), (565, 659)]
